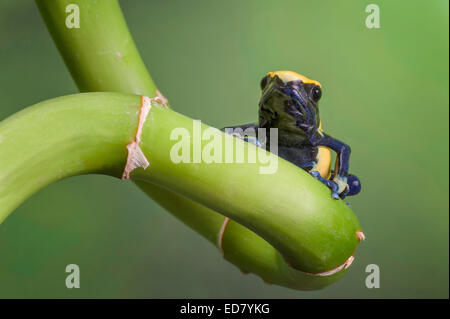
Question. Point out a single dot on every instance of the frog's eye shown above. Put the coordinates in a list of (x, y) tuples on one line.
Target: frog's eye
[(316, 93)]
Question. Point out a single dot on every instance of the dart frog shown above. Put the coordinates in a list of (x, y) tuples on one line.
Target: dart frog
[(289, 102)]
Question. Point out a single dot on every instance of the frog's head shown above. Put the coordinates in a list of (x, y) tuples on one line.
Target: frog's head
[(289, 102)]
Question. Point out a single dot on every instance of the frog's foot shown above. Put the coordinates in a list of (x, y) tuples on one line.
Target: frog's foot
[(335, 195), (342, 187), (331, 184), (353, 185)]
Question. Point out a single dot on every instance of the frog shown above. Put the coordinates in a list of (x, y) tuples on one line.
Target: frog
[(290, 103)]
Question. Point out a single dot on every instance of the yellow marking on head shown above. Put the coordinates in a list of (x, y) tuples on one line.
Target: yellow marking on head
[(288, 76)]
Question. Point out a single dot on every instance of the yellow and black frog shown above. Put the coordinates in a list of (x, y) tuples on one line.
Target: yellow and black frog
[(289, 102)]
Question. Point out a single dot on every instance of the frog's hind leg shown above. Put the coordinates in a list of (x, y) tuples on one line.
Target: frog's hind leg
[(353, 184), (353, 187)]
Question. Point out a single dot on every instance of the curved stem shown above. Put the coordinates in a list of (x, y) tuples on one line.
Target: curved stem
[(62, 137), (88, 133), (101, 56)]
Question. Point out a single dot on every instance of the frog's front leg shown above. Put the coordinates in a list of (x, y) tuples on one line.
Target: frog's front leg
[(329, 183), (339, 181)]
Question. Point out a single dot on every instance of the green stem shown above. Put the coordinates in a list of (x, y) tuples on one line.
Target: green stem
[(63, 137), (88, 133), (101, 56)]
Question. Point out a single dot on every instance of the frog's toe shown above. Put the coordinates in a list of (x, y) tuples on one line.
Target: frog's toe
[(335, 190), (329, 183), (316, 175), (253, 140)]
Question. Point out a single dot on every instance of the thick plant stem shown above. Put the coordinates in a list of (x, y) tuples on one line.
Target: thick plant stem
[(63, 137), (101, 56), (88, 133)]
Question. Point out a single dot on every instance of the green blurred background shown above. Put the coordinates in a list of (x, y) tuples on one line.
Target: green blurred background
[(385, 93)]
